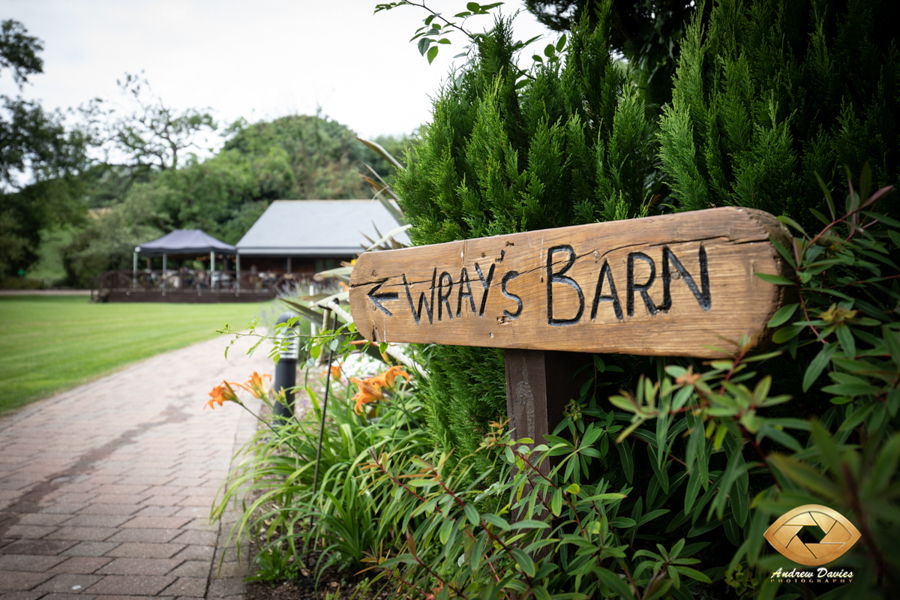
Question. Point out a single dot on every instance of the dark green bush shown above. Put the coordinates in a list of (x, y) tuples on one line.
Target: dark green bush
[(507, 153)]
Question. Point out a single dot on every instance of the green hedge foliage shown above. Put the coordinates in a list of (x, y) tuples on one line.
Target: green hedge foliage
[(509, 152)]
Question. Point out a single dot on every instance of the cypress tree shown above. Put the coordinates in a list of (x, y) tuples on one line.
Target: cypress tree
[(510, 152), (771, 93)]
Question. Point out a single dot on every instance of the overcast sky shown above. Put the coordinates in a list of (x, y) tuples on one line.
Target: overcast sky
[(257, 60)]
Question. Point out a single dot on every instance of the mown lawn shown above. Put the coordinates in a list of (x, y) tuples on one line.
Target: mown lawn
[(51, 343)]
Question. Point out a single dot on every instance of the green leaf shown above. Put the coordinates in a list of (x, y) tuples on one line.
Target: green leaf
[(805, 476), (885, 466), (693, 488), (529, 524), (496, 521), (784, 313), (561, 43), (852, 389), (789, 221), (895, 237), (786, 334), (556, 502), (892, 343), (625, 456), (573, 489), (776, 279), (693, 574), (614, 583), (828, 449), (845, 337), (472, 514), (432, 54), (444, 534), (818, 364), (524, 561)]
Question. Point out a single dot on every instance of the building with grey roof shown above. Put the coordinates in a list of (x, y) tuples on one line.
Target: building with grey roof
[(307, 236)]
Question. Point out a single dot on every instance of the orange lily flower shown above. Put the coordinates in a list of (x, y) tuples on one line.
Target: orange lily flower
[(336, 370), (371, 389), (256, 386), (387, 379), (367, 393), (391, 374), (221, 394)]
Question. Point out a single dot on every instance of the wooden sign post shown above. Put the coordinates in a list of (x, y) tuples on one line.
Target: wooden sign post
[(672, 285)]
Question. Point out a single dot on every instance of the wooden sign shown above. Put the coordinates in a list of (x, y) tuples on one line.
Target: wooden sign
[(668, 285)]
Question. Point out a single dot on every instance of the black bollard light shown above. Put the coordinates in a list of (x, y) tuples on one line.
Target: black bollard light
[(286, 369)]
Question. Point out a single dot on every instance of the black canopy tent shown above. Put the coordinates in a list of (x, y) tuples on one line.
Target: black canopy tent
[(182, 242)]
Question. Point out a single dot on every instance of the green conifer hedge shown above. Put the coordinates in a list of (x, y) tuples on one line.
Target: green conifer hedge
[(509, 152), (766, 96), (769, 93)]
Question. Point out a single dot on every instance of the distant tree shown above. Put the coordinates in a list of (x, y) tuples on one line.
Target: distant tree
[(35, 145), (146, 134), (323, 156)]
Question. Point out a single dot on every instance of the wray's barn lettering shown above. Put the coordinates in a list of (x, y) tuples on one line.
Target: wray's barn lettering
[(661, 285)]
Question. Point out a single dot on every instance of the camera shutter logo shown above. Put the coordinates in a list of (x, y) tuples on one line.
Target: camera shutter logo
[(840, 535)]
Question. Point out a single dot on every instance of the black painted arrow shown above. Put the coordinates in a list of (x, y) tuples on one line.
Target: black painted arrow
[(377, 299)]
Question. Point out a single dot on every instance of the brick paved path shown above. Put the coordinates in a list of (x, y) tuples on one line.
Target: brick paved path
[(105, 490)]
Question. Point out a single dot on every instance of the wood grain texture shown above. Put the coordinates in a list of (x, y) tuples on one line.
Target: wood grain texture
[(539, 290)]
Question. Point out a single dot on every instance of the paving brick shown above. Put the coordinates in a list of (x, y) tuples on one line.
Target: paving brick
[(41, 547), (42, 519), (67, 583), (20, 595), (206, 501), (220, 588), (141, 550), (71, 497), (118, 489), (81, 564), (194, 512), (192, 568), (155, 523), (21, 581), (201, 525), (118, 499), (229, 569), (153, 536), (109, 509), (128, 597), (24, 562), (187, 586), (22, 506), (163, 500), (231, 554), (82, 534), (148, 480), (202, 538), (158, 511), (166, 490), (28, 532), (197, 553), (60, 508), (68, 597), (90, 549), (137, 585), (14, 484), (140, 566), (100, 520)]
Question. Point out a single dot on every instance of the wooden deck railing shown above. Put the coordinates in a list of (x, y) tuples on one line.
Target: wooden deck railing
[(196, 286)]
